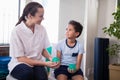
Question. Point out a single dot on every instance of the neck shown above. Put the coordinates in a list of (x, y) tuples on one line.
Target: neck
[(71, 41), (30, 25)]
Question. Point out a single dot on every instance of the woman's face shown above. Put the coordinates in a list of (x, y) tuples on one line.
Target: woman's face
[(38, 17)]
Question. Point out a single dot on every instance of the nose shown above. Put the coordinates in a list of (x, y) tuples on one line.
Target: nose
[(66, 32)]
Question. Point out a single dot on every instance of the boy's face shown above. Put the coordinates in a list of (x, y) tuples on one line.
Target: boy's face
[(70, 32)]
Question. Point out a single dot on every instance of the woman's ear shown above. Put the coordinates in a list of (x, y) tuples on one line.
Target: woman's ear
[(29, 16)]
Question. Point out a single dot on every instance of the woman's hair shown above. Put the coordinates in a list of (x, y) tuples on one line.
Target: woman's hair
[(30, 8), (77, 26)]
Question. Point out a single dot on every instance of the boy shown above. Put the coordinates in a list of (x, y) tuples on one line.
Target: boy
[(70, 51)]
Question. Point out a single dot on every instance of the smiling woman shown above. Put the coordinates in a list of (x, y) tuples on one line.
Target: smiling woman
[(28, 45)]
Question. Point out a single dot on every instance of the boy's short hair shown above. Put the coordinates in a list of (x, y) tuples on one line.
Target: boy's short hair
[(77, 26)]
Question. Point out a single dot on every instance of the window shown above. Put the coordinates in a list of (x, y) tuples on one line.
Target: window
[(11, 10), (9, 13), (51, 18)]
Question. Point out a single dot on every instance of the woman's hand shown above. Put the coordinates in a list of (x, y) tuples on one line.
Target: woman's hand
[(57, 65), (50, 64)]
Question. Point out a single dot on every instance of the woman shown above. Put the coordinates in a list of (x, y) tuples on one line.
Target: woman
[(27, 46)]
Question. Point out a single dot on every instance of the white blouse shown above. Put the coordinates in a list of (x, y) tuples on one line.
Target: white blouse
[(26, 43)]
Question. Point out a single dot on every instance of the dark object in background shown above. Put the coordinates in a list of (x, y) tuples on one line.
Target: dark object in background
[(101, 59)]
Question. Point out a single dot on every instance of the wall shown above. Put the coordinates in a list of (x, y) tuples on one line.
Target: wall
[(27, 1), (91, 33), (99, 16), (69, 10), (106, 8)]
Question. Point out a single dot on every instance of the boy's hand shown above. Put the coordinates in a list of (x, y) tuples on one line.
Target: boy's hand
[(71, 71)]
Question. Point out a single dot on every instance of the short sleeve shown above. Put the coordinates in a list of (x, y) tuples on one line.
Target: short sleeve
[(81, 49), (16, 46), (58, 47)]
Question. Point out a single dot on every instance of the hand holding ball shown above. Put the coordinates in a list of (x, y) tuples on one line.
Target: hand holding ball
[(55, 59)]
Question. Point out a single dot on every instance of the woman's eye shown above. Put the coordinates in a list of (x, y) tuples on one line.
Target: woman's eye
[(66, 29), (70, 30)]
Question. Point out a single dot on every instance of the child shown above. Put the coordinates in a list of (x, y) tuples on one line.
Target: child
[(70, 51)]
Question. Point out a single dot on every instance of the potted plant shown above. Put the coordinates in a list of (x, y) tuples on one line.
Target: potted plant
[(114, 30)]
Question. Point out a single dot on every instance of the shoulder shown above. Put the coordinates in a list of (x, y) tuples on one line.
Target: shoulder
[(60, 45), (16, 29), (61, 41), (19, 27), (80, 44)]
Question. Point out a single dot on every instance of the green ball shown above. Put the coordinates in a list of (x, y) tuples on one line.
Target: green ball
[(72, 66), (55, 59)]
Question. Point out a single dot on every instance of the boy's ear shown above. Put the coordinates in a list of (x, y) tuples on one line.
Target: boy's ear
[(77, 33)]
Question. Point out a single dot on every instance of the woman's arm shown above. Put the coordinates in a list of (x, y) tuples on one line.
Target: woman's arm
[(46, 55), (59, 54), (35, 62), (79, 60), (30, 61)]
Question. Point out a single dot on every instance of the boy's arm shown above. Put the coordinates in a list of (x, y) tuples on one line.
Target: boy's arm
[(46, 55), (59, 56), (79, 60)]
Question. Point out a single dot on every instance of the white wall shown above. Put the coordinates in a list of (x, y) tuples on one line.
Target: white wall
[(106, 8), (70, 10), (91, 33), (27, 1), (98, 17)]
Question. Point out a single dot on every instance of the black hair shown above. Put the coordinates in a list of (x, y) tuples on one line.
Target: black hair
[(77, 26), (30, 8)]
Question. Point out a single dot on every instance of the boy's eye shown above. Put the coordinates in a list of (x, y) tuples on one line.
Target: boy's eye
[(41, 16)]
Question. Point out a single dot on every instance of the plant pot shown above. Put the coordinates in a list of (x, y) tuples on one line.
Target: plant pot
[(114, 71)]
